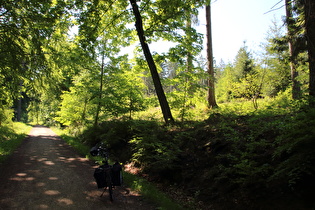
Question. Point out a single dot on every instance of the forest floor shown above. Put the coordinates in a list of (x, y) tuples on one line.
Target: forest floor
[(46, 173)]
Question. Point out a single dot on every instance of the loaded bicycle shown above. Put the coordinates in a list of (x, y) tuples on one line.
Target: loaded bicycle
[(106, 176)]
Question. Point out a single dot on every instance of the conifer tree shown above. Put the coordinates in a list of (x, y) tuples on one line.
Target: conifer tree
[(309, 10), (292, 42)]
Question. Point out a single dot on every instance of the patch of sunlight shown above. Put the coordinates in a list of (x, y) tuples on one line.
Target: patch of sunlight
[(21, 177), (21, 174), (48, 162), (17, 179), (40, 184), (41, 159), (51, 192), (43, 206), (65, 201)]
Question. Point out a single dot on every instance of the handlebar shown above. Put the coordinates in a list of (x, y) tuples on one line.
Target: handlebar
[(99, 150)]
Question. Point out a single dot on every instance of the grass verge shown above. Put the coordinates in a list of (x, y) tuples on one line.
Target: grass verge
[(11, 136), (149, 192)]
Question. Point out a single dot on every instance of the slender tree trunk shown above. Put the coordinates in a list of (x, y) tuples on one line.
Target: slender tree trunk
[(310, 36), (100, 92), (211, 91), (189, 68), (296, 92), (189, 59), (155, 76), (19, 109), (19, 105), (83, 116)]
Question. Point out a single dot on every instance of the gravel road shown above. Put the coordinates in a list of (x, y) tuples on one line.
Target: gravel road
[(46, 173)]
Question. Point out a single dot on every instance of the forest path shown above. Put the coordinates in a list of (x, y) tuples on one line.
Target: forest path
[(46, 173)]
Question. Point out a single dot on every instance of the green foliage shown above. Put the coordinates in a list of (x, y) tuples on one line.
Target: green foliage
[(257, 134), (150, 192), (238, 153), (74, 109), (123, 92), (134, 140), (44, 60), (223, 87), (185, 88), (244, 64), (73, 141), (241, 80), (155, 151), (114, 134), (11, 136), (26, 31), (147, 190), (6, 115), (295, 151)]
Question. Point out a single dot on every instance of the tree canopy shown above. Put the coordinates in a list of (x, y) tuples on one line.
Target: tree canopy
[(246, 127), (47, 46)]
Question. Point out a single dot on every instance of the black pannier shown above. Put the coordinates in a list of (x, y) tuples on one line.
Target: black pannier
[(117, 174), (99, 175)]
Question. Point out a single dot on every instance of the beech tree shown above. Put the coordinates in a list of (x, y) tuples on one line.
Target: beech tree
[(26, 29), (155, 76)]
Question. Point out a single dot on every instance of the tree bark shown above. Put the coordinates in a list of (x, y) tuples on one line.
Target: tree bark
[(154, 73), (211, 91), (296, 91), (310, 37)]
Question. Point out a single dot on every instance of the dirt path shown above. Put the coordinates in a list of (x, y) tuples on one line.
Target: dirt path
[(45, 173)]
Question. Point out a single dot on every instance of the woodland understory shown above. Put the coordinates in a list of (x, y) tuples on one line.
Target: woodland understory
[(259, 160)]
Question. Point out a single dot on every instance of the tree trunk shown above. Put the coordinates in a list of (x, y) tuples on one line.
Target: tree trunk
[(296, 92), (155, 76), (189, 59), (310, 36), (19, 106), (83, 116), (211, 91), (189, 68), (101, 92)]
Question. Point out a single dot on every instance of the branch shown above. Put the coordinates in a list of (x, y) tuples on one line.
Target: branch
[(276, 4), (272, 8)]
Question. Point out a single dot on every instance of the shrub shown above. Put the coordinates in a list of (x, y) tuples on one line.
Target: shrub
[(11, 137), (295, 153)]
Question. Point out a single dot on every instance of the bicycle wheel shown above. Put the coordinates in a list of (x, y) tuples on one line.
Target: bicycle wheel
[(109, 183), (110, 192)]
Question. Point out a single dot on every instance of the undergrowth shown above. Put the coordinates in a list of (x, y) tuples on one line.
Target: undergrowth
[(11, 136), (235, 157), (149, 192)]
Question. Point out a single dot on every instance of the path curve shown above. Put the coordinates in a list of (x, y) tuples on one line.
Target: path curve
[(46, 173)]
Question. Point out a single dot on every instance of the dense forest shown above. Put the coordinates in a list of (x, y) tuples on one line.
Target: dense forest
[(223, 134)]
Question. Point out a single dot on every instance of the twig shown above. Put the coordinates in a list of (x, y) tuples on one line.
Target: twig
[(272, 8)]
